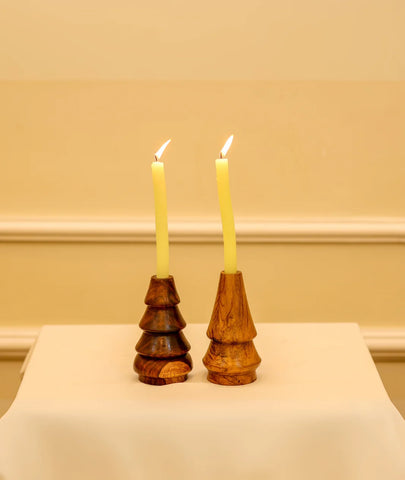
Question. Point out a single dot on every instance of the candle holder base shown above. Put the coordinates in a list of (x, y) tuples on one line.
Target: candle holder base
[(162, 381), (230, 380), (231, 358), (163, 356)]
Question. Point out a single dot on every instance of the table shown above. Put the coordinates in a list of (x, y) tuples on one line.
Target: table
[(317, 411)]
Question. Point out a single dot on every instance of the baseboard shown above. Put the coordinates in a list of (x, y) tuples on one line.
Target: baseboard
[(15, 343), (189, 230), (385, 344)]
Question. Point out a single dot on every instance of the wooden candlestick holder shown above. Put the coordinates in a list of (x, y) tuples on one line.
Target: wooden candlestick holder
[(231, 358), (162, 349)]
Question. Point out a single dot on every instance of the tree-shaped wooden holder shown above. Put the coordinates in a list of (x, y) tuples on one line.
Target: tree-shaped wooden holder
[(231, 358), (162, 349)]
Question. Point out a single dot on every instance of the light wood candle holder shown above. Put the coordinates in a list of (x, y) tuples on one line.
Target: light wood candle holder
[(162, 349), (231, 358)]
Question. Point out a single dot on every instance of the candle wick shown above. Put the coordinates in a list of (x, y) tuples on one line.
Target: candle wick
[(220, 155), (156, 159)]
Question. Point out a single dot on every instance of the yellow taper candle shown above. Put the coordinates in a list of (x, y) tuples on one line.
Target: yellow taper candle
[(225, 203), (162, 231)]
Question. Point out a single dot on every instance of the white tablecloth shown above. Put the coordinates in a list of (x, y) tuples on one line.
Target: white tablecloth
[(318, 411)]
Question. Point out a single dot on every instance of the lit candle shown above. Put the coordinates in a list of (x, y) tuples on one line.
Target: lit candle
[(225, 203), (162, 231)]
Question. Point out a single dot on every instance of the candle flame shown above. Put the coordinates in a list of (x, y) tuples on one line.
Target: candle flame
[(226, 146), (158, 154)]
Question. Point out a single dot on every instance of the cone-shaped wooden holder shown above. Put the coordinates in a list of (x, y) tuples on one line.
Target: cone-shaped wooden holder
[(231, 358), (162, 349)]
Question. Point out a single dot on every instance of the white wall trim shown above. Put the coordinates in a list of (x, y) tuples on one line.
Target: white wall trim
[(385, 344), (371, 230), (15, 343)]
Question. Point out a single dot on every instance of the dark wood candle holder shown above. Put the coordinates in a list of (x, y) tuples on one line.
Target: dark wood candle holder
[(231, 358), (162, 349)]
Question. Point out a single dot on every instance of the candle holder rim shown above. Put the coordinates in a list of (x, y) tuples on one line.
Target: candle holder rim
[(155, 277)]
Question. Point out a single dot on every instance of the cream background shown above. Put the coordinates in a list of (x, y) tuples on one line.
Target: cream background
[(314, 92), (82, 150), (301, 149), (259, 39)]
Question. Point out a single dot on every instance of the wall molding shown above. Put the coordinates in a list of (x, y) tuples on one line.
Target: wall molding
[(15, 343), (186, 230), (385, 344)]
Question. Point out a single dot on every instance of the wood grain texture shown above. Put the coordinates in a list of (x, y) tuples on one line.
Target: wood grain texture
[(163, 371), (162, 356), (162, 345), (231, 321), (162, 292), (158, 319), (231, 358)]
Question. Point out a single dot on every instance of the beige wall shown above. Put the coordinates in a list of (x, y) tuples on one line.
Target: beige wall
[(301, 149), (231, 39), (10, 380), (106, 283), (82, 150), (315, 94), (393, 374)]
